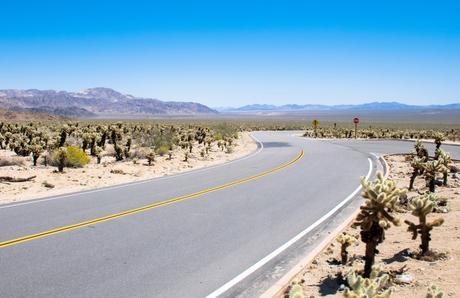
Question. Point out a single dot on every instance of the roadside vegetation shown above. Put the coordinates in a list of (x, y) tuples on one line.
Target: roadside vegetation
[(86, 154), (407, 227)]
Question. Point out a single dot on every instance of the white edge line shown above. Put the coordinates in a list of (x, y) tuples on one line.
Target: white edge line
[(84, 192), (283, 247)]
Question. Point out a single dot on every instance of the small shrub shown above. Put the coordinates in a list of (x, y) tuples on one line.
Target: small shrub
[(163, 149), (70, 156), (76, 158)]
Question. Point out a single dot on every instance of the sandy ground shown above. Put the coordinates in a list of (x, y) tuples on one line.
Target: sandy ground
[(110, 172), (322, 276)]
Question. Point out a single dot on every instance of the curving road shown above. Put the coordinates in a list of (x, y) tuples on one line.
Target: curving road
[(229, 230)]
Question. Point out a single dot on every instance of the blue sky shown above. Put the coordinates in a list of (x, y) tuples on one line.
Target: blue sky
[(231, 53)]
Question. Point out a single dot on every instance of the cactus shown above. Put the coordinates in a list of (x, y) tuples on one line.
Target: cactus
[(445, 160), (376, 286), (63, 136), (98, 153), (118, 152), (345, 241), (421, 207), (381, 198), (296, 290), (420, 150), (61, 158), (36, 150), (417, 164), (438, 139), (434, 292), (150, 157), (431, 168)]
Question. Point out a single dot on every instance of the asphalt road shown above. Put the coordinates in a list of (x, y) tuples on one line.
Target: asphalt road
[(190, 247)]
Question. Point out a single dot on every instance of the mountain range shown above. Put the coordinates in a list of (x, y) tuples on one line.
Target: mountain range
[(94, 103), (108, 103), (372, 106)]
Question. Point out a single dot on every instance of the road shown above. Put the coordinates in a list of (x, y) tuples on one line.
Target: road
[(200, 232)]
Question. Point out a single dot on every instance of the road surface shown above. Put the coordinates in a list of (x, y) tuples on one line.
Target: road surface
[(202, 233)]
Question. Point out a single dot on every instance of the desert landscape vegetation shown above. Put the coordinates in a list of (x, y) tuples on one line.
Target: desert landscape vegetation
[(230, 149), (402, 242), (56, 156)]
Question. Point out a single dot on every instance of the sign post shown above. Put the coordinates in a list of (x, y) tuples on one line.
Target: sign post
[(315, 124), (356, 121)]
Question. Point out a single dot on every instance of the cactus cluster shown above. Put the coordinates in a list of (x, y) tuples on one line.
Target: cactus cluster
[(422, 165), (347, 132), (377, 285), (127, 139)]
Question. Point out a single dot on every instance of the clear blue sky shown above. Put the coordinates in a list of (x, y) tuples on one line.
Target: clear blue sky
[(231, 53)]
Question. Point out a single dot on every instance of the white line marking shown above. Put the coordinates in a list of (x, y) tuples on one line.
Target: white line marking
[(84, 192), (283, 247)]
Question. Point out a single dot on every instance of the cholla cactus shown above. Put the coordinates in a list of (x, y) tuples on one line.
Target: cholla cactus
[(431, 168), (420, 150), (118, 152), (434, 292), (98, 152), (421, 207), (296, 290), (417, 164), (36, 150), (150, 156), (438, 139), (345, 241), (381, 197), (61, 158), (376, 286), (445, 160)]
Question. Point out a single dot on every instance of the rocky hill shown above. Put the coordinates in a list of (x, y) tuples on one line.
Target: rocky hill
[(95, 102), (10, 115)]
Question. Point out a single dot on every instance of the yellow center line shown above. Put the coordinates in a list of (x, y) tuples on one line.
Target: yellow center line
[(145, 208)]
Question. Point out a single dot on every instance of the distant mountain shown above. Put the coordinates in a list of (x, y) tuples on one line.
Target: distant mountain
[(372, 106), (11, 115), (95, 102)]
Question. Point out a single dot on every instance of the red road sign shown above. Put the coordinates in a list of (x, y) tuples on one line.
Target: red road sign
[(356, 120)]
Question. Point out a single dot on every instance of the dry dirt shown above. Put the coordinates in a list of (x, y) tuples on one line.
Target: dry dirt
[(320, 278), (110, 172)]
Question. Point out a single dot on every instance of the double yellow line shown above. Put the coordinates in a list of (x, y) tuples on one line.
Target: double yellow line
[(144, 208)]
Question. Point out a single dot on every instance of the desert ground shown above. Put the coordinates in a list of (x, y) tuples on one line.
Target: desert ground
[(324, 275)]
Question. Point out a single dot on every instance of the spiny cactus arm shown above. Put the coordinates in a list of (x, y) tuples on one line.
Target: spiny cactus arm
[(413, 228), (435, 223), (434, 292), (390, 218)]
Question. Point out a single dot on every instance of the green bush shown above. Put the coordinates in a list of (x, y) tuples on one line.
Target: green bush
[(71, 156), (76, 157), (163, 149)]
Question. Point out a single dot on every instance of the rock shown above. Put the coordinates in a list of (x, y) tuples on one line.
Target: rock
[(453, 169), (47, 185), (404, 278), (456, 176)]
